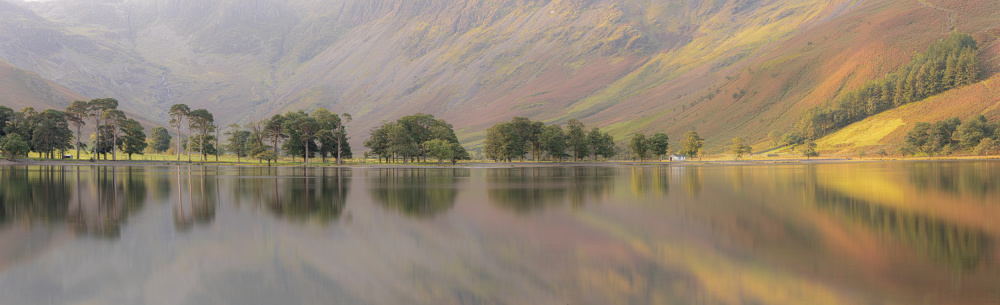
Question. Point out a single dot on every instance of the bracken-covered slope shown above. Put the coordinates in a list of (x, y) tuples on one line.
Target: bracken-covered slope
[(725, 68)]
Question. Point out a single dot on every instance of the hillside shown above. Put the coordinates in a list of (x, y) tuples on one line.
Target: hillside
[(23, 89), (724, 68), (20, 89)]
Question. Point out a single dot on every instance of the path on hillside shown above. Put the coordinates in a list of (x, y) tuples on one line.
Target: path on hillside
[(951, 19)]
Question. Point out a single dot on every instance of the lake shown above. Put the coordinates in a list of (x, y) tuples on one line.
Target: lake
[(851, 233)]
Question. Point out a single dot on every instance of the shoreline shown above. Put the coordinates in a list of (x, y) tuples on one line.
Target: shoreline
[(758, 162)]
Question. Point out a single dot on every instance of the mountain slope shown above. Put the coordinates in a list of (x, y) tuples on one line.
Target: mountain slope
[(21, 89), (725, 68)]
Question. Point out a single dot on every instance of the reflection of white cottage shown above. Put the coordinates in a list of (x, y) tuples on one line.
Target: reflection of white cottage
[(678, 158)]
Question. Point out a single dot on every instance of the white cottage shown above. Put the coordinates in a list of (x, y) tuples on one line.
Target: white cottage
[(678, 158)]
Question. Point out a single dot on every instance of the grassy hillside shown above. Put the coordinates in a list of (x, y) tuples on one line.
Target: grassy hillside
[(725, 68), (888, 130)]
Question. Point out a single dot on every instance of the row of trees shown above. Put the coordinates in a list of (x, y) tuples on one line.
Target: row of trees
[(946, 64), (520, 136), (296, 134), (49, 131), (415, 137), (977, 135)]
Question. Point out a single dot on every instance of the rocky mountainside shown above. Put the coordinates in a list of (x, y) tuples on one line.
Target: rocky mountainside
[(725, 68)]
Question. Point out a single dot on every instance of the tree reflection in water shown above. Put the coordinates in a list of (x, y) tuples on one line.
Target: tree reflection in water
[(36, 194), (199, 204), (416, 192), (524, 190), (295, 194), (95, 200)]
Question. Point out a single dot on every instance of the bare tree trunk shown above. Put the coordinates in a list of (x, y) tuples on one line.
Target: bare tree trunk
[(179, 138), (78, 141), (306, 157), (338, 150), (189, 145), (114, 145), (201, 147)]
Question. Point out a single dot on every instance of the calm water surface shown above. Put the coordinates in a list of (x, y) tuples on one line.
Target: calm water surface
[(861, 233)]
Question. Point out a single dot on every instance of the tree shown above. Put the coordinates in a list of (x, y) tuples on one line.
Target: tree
[(238, 141), (809, 150), (739, 149), (268, 155), (378, 142), (6, 118), (601, 144), (576, 140), (775, 137), (402, 143), (13, 145), (972, 131), (306, 128), (793, 140), (918, 139), (503, 142), (51, 133), (178, 112), (528, 132), (274, 131), (204, 122), (639, 146), (659, 145), (115, 119), (943, 132), (134, 139), (692, 144), (96, 110), (76, 114), (159, 139), (554, 142), (341, 135), (327, 136), (985, 147), (439, 149)]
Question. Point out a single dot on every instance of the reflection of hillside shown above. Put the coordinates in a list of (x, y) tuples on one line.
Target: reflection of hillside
[(528, 189), (947, 243), (415, 191)]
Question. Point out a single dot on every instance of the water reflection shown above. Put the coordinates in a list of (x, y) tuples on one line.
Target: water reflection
[(295, 194), (416, 192), (105, 202), (944, 242), (859, 233), (94, 201), (34, 195), (197, 197), (954, 178), (524, 190)]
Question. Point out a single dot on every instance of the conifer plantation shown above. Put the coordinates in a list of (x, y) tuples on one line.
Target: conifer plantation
[(949, 63)]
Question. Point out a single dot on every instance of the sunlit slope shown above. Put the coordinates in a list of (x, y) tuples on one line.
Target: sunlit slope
[(814, 67), (887, 131)]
